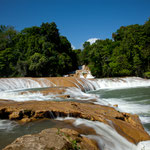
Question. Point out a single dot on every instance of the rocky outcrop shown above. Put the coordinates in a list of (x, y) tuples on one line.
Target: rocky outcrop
[(53, 139), (127, 125), (52, 90)]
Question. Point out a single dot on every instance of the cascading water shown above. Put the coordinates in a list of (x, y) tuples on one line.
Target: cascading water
[(7, 84), (121, 88), (107, 137), (127, 82), (21, 89), (12, 88)]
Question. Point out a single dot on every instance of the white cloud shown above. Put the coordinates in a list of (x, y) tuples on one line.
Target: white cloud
[(92, 40), (73, 47)]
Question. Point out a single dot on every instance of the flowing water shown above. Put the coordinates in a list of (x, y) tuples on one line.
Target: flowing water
[(131, 100), (131, 94)]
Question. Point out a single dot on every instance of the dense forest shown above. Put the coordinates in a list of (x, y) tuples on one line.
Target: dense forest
[(35, 51), (42, 51), (126, 54)]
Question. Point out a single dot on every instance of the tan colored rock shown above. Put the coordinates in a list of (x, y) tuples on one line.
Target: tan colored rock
[(116, 105), (53, 139), (47, 91), (127, 125), (64, 96), (24, 120), (15, 115)]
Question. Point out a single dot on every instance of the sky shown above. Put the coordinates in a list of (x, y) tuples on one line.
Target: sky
[(78, 20)]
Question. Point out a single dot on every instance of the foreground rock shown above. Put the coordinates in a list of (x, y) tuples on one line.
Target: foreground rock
[(126, 124), (53, 139)]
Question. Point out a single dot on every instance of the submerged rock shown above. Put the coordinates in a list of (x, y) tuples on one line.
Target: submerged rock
[(53, 139)]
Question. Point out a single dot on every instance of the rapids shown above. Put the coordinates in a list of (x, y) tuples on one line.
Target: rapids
[(107, 138), (131, 94)]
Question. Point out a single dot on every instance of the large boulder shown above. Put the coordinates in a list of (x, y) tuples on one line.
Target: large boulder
[(53, 139)]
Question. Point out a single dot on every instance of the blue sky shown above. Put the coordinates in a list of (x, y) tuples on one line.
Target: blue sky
[(78, 20)]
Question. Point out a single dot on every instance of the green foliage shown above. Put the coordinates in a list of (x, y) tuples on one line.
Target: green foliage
[(58, 131), (128, 54), (78, 54), (147, 75), (7, 34), (74, 145), (35, 51), (41, 51), (8, 58)]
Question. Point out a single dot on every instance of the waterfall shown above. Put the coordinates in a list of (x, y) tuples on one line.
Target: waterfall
[(7, 84), (23, 89), (126, 82), (107, 137), (10, 88)]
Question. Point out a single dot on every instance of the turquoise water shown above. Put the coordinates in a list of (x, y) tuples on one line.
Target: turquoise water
[(131, 100)]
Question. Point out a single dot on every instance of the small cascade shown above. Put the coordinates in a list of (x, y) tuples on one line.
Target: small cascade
[(22, 89), (7, 125), (17, 83), (7, 84), (76, 84), (77, 94), (126, 82), (95, 84), (88, 84), (107, 137), (45, 83), (83, 84), (11, 88)]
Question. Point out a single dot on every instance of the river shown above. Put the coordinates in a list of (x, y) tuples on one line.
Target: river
[(132, 95)]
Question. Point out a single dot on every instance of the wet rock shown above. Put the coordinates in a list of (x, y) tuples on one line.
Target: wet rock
[(127, 125), (24, 120), (4, 114), (64, 96), (53, 139), (116, 105), (16, 115)]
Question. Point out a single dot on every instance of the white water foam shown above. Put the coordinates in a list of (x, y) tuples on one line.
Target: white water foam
[(16, 96), (145, 119), (77, 94), (107, 137), (127, 82), (126, 106), (86, 85), (7, 84), (130, 107), (145, 145), (7, 125)]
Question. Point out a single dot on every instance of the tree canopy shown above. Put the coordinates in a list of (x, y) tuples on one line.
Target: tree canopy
[(35, 51), (126, 54), (42, 51)]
